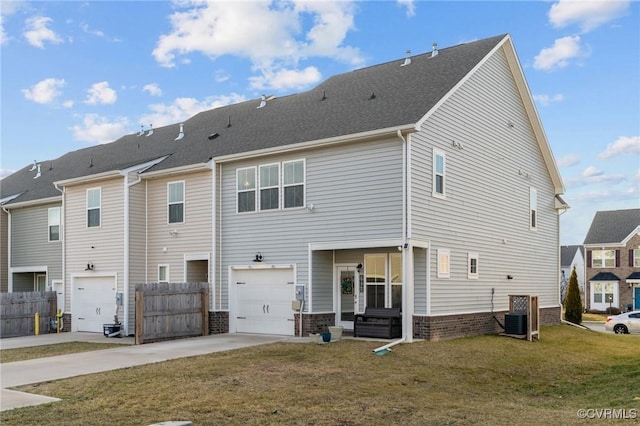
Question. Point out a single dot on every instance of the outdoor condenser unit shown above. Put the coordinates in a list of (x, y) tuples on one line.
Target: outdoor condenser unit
[(515, 324)]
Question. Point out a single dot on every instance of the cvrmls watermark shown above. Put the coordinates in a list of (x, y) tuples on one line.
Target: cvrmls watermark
[(608, 413)]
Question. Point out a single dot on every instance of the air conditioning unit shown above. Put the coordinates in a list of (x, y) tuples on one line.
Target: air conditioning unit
[(515, 324)]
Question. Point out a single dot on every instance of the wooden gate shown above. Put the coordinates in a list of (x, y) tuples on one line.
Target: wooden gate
[(18, 312)]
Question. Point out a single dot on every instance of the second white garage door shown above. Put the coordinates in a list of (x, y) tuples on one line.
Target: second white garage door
[(93, 303), (263, 301)]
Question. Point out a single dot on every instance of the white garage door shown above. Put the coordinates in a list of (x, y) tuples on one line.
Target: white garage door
[(93, 303), (263, 301)]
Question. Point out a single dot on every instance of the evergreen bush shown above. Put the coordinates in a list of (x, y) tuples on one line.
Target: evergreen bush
[(572, 302)]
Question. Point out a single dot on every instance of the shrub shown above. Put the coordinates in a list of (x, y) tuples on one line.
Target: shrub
[(572, 302)]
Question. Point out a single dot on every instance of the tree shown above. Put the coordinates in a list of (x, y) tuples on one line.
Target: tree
[(572, 302)]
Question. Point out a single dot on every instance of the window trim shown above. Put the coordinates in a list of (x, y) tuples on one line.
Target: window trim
[(260, 187), (49, 224), (167, 276), (439, 153), (471, 256), (254, 189), (183, 202), (99, 207), (636, 257), (602, 258), (533, 209), (303, 184), (442, 255)]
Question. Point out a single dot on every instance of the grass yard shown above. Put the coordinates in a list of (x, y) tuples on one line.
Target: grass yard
[(33, 352), (488, 380)]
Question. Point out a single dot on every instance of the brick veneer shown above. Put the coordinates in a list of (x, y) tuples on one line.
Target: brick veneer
[(218, 322), (314, 323)]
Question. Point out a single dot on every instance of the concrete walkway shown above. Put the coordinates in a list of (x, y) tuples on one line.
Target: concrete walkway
[(39, 370)]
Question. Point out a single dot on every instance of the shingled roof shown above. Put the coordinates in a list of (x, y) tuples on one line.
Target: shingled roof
[(567, 253), (612, 226), (384, 96)]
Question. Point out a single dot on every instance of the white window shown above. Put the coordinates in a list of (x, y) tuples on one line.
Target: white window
[(93, 207), (439, 169), (54, 224), (472, 266), (294, 183), (603, 259), (269, 186), (163, 273), (444, 263), (175, 202), (40, 283), (375, 269), (395, 263), (604, 295), (533, 209), (635, 258), (246, 187)]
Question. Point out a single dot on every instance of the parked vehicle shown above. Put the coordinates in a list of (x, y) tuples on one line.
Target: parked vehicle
[(626, 323)]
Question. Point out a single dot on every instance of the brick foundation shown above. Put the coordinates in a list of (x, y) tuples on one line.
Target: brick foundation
[(464, 325), (218, 322), (314, 323)]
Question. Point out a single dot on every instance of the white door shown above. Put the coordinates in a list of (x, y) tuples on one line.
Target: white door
[(263, 301), (93, 303), (347, 295)]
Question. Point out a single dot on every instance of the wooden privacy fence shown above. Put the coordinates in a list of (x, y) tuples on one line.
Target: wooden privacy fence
[(166, 311), (18, 310)]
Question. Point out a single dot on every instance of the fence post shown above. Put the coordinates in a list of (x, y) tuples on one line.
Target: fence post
[(139, 317), (205, 311), (53, 310), (37, 324)]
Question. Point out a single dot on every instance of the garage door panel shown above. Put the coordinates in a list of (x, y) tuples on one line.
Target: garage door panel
[(263, 301), (93, 303)]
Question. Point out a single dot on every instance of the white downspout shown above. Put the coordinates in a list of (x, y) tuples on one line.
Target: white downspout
[(127, 272), (64, 242), (9, 272)]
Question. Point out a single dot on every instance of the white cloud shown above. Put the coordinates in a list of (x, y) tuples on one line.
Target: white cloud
[(546, 100), (283, 79), (569, 160), (37, 33), (183, 108), (45, 91), (622, 146), (153, 89), (3, 35), (588, 14), (101, 93), (86, 29), (96, 129), (6, 172), (558, 56), (410, 5), (269, 34)]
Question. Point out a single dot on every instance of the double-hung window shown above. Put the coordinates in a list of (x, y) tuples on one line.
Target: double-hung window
[(54, 224), (603, 259), (175, 202), (439, 168), (294, 183), (246, 187), (376, 279), (269, 186), (472, 266), (163, 273), (93, 207)]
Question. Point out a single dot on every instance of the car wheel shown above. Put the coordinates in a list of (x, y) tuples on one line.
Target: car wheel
[(620, 329)]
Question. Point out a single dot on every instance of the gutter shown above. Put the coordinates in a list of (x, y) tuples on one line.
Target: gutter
[(64, 243)]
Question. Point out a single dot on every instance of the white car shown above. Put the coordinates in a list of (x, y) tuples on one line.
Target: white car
[(626, 323)]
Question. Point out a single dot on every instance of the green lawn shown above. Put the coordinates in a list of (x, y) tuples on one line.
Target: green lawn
[(489, 380), (22, 354)]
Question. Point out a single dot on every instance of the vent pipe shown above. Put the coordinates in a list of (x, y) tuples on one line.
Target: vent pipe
[(407, 60), (434, 50), (181, 133)]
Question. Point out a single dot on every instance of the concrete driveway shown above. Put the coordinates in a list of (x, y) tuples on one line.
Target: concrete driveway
[(20, 373)]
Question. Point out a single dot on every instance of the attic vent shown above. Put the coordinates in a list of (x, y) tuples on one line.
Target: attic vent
[(212, 136), (150, 130), (38, 174), (180, 133), (434, 50), (407, 60), (372, 96), (264, 99)]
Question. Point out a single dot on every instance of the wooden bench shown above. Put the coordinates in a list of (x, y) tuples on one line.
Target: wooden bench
[(378, 322)]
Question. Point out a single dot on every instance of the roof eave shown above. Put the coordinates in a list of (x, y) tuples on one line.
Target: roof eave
[(31, 203)]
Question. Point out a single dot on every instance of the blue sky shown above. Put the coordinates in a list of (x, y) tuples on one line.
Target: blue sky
[(78, 73)]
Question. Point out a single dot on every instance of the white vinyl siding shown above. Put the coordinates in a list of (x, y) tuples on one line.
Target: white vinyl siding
[(94, 202), (487, 197), (54, 224), (175, 202)]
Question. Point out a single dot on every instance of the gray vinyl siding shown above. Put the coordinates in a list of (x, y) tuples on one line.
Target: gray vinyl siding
[(356, 190), (486, 209), (103, 246), (4, 253), (420, 280), (322, 264), (137, 245), (193, 236), (30, 244)]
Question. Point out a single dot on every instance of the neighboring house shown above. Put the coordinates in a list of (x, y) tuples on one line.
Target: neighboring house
[(613, 260), (571, 257), (425, 183)]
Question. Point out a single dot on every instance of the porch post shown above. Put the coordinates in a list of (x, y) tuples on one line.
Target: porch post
[(407, 294)]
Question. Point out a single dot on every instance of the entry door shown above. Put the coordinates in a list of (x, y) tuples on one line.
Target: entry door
[(347, 279), (636, 298)]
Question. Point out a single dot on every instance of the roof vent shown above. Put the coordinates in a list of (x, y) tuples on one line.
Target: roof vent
[(228, 121), (35, 166), (141, 132), (372, 96), (181, 133), (434, 50), (264, 99), (324, 95), (407, 60), (91, 162), (150, 130), (38, 174), (212, 136)]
